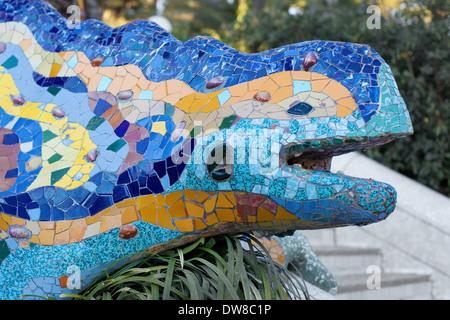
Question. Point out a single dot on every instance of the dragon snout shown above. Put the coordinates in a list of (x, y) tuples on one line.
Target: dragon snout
[(362, 202), (300, 185), (373, 200)]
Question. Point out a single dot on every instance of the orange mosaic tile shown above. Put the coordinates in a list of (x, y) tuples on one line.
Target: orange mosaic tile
[(62, 237), (184, 225), (129, 214), (77, 230), (281, 79), (178, 210), (148, 213), (194, 210), (163, 219), (46, 237), (225, 215), (110, 222)]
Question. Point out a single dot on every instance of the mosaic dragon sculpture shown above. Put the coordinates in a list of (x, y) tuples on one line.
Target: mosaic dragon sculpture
[(119, 140)]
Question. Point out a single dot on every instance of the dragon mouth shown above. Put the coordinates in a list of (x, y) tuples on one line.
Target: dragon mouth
[(319, 159), (318, 155), (310, 161), (353, 201)]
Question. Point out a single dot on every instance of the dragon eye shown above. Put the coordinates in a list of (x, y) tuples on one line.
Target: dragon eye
[(220, 162), (300, 108)]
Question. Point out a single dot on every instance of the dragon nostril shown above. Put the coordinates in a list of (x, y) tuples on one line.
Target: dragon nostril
[(300, 108), (220, 163)]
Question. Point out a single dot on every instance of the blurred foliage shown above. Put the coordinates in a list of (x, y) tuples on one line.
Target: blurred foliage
[(90, 9), (188, 18), (413, 39)]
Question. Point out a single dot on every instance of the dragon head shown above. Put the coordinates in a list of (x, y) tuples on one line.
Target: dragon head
[(266, 144), (118, 140)]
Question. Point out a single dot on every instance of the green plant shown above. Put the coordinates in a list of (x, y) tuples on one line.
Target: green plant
[(218, 268)]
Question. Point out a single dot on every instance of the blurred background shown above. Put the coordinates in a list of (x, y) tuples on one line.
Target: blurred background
[(413, 38)]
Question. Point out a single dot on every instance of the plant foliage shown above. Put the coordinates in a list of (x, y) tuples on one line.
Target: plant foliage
[(218, 268)]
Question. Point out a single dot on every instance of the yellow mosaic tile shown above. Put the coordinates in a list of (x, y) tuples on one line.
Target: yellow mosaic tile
[(283, 79), (18, 221), (223, 202), (210, 204), (144, 201), (159, 127), (283, 214), (211, 219), (202, 196), (199, 224)]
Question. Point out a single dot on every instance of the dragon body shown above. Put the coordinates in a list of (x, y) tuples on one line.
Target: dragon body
[(120, 140)]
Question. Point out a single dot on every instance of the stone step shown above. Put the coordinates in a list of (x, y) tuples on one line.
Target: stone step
[(360, 276), (348, 260), (392, 286)]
